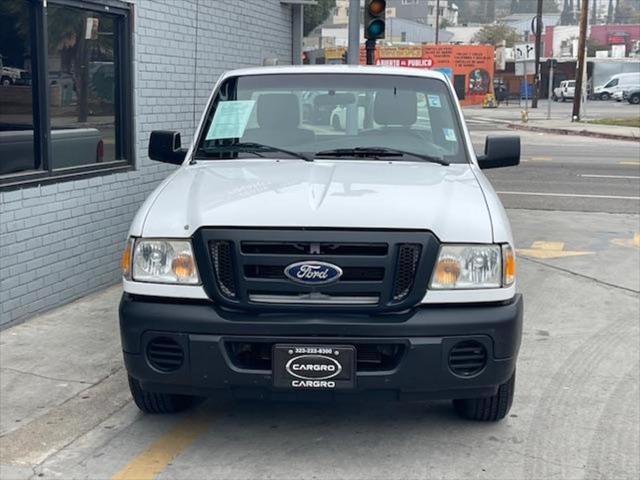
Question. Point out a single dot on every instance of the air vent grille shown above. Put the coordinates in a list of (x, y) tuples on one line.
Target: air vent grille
[(165, 354), (467, 358), (408, 256), (221, 255)]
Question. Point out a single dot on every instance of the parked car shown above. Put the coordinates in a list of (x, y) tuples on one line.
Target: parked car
[(616, 83), (9, 75), (632, 95), (565, 90), (286, 261), (315, 110), (70, 147)]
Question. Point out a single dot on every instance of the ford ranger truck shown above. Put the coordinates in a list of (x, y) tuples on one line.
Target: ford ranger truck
[(290, 260)]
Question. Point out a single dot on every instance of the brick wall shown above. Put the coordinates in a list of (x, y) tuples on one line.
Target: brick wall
[(61, 241)]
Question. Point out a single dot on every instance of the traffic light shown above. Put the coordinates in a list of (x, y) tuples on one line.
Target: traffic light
[(374, 19)]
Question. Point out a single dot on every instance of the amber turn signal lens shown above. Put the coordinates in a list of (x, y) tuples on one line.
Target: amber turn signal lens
[(183, 266), (125, 260), (447, 271), (509, 265)]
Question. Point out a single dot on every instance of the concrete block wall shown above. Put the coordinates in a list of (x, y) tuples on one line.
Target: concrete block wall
[(61, 241)]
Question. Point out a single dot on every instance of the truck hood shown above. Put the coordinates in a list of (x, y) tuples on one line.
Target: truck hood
[(345, 193)]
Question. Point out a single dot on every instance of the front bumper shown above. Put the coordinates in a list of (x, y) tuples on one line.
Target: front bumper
[(426, 336)]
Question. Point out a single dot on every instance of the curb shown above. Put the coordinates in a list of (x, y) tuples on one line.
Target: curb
[(581, 133)]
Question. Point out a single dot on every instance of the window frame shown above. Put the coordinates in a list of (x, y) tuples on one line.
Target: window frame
[(123, 99)]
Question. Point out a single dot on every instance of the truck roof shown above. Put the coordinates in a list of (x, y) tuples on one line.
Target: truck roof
[(337, 69)]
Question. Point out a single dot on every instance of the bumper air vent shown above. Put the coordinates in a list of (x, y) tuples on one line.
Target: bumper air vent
[(467, 358), (165, 354)]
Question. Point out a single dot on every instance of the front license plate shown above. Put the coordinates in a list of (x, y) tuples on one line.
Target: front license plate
[(318, 367)]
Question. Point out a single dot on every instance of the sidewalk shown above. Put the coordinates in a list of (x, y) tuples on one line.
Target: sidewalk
[(566, 127), (560, 121), (61, 365)]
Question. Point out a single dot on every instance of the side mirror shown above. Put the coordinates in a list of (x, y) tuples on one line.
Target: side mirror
[(500, 152), (165, 146)]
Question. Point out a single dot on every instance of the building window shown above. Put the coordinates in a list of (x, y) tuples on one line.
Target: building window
[(17, 152), (66, 114)]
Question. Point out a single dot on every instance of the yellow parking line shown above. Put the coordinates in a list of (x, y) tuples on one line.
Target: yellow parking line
[(148, 464), (541, 159), (629, 162)]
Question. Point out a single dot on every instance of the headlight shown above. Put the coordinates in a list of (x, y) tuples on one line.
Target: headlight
[(473, 266), (163, 261)]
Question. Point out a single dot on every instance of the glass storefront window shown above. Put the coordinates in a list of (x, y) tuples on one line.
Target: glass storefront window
[(16, 96), (82, 83), (65, 90)]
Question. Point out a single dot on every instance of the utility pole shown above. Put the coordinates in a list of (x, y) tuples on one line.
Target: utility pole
[(582, 42), (538, 33), (437, 20), (353, 47)]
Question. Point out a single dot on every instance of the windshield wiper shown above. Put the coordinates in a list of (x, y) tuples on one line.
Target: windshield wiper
[(377, 152), (253, 147)]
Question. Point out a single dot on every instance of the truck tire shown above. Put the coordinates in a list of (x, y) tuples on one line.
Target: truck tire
[(6, 81), (605, 96), (634, 99), (488, 409), (153, 402)]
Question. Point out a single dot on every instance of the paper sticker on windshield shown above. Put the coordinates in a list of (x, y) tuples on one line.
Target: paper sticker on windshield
[(230, 119), (434, 101), (449, 134)]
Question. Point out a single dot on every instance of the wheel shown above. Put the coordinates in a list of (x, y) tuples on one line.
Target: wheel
[(335, 123), (635, 99), (605, 96), (554, 97), (488, 409), (153, 402), (5, 81), (563, 99)]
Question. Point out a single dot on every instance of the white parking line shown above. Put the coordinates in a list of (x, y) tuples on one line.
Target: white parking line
[(632, 177), (576, 195)]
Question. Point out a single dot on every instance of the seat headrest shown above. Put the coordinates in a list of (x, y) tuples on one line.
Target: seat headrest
[(278, 110), (395, 108)]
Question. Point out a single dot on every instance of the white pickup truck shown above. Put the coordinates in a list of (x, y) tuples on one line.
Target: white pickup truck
[(9, 75), (565, 91), (284, 259)]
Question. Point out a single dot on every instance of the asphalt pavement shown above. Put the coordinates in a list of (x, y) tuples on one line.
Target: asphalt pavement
[(563, 172), (574, 208)]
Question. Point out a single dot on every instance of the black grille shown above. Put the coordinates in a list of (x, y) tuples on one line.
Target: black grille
[(370, 357), (467, 358), (408, 257), (313, 248), (383, 270), (221, 255), (349, 274), (165, 354)]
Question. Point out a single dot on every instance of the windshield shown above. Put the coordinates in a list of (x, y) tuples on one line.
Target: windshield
[(266, 115)]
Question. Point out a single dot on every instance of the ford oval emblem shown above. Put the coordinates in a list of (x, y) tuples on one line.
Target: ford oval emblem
[(313, 367), (313, 273)]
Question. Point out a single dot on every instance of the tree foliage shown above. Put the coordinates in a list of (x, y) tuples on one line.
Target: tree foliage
[(496, 33), (314, 15)]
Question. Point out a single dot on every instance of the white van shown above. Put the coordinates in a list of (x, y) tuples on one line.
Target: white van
[(617, 83)]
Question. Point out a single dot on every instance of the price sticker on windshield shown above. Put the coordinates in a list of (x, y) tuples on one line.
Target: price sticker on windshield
[(449, 134), (434, 101), (231, 119)]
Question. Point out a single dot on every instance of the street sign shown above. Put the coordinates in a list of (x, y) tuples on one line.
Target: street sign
[(525, 68), (525, 52)]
